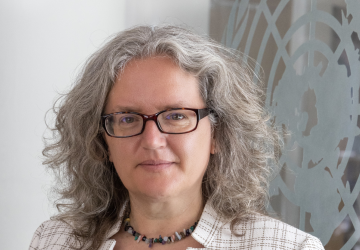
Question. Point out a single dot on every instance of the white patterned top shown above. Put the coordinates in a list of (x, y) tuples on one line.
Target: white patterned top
[(259, 232)]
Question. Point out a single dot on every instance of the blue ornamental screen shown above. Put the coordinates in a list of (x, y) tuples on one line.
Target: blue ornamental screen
[(309, 51)]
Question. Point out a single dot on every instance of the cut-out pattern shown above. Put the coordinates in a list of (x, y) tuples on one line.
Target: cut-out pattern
[(342, 234), (316, 97)]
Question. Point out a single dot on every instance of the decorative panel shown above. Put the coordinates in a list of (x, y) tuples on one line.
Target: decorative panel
[(308, 53)]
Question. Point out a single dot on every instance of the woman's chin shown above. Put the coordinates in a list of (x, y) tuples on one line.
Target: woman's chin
[(159, 191), (158, 182), (158, 188)]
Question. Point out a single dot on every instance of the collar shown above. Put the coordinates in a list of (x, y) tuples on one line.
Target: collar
[(207, 227)]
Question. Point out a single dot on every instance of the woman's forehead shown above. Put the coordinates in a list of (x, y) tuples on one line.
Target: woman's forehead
[(151, 66), (156, 82)]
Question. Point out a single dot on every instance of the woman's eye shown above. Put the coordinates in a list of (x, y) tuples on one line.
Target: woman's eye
[(176, 116), (127, 120)]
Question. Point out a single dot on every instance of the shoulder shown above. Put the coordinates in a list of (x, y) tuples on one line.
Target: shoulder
[(268, 231), (53, 234), (257, 232), (264, 232)]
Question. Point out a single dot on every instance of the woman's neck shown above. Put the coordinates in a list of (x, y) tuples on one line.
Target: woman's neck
[(164, 217)]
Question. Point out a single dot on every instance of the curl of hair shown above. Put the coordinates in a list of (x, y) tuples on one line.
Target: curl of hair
[(237, 177)]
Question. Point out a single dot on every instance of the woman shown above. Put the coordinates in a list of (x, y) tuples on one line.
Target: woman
[(163, 137)]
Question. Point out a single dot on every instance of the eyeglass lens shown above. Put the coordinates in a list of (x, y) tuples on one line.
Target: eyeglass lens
[(172, 121)]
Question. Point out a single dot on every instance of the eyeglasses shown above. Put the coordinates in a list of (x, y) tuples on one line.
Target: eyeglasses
[(169, 121)]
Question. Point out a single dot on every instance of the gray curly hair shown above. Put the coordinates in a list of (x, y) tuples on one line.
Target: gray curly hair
[(91, 194)]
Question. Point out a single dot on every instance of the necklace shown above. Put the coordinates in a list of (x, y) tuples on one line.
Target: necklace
[(163, 240)]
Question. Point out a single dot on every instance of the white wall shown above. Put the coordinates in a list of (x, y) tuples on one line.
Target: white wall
[(43, 43), (193, 13)]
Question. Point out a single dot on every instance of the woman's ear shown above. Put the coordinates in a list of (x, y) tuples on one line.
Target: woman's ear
[(107, 147), (212, 147), (109, 154)]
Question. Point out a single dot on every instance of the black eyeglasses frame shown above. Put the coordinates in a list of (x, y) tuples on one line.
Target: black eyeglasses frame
[(200, 113)]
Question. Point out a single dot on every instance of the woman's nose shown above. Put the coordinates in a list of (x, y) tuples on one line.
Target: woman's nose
[(152, 137)]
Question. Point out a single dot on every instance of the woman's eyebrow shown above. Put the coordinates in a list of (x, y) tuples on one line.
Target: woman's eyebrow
[(119, 108), (124, 109), (176, 105)]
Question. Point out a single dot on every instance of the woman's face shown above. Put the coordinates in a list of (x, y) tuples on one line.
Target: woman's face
[(154, 164)]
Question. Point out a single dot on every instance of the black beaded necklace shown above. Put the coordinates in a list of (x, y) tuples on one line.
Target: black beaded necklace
[(163, 240)]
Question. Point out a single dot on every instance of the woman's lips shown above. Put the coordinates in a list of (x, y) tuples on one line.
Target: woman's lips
[(155, 165)]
